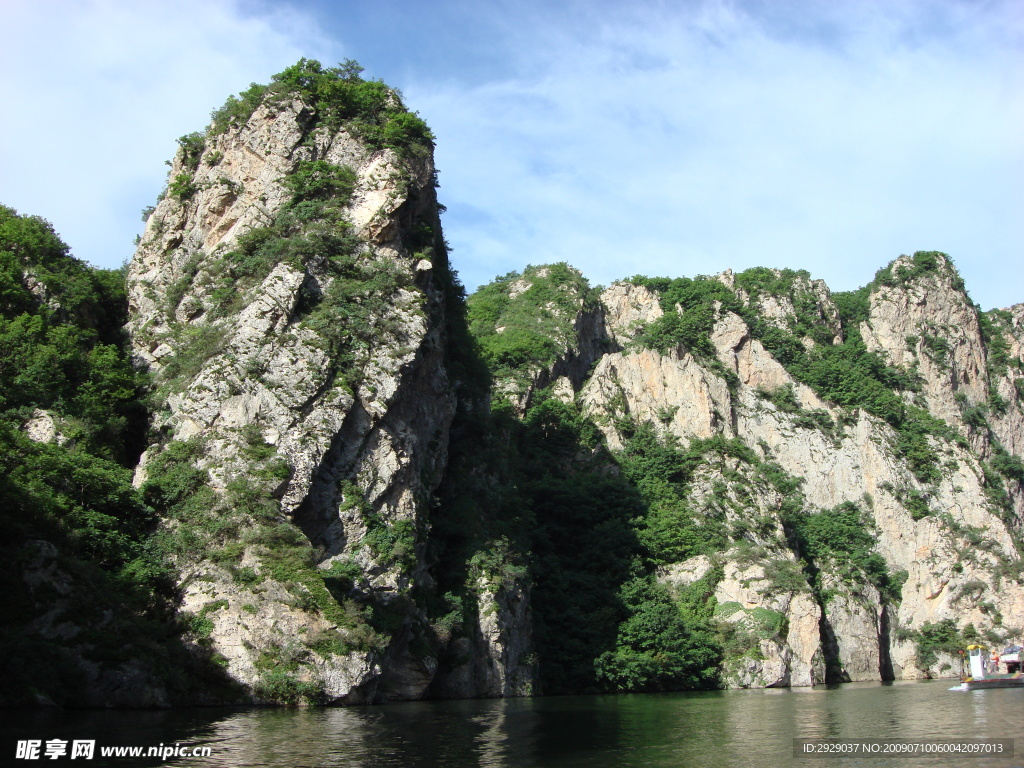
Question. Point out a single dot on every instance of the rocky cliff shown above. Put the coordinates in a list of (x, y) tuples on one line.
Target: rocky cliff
[(864, 518), (848, 507), (289, 299), (357, 485)]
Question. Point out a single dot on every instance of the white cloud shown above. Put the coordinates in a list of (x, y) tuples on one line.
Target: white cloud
[(95, 93), (662, 137), (688, 142)]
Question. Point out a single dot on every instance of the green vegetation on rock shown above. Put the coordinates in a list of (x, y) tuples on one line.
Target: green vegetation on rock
[(842, 540), (844, 373), (311, 229), (688, 306), (522, 322), (78, 544), (339, 96)]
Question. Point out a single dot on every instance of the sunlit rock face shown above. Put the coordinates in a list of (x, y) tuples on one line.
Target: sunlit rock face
[(948, 534), (292, 300), (309, 384)]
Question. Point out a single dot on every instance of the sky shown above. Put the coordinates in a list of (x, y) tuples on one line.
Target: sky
[(655, 137)]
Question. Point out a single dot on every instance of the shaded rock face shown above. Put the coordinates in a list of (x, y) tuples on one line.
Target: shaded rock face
[(351, 450), (853, 637), (495, 657)]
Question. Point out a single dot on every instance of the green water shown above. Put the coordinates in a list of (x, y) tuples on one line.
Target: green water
[(720, 728)]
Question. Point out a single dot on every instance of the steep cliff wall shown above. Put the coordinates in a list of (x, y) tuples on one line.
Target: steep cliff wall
[(869, 519), (289, 298), (359, 486)]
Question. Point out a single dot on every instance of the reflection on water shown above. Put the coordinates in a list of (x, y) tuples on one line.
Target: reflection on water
[(718, 728)]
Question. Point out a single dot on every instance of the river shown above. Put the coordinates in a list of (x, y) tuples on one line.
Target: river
[(705, 729)]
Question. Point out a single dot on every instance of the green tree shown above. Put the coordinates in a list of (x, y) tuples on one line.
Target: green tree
[(655, 649)]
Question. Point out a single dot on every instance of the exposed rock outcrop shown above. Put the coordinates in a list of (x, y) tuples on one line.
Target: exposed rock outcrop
[(495, 658), (551, 341), (774, 632), (927, 324), (289, 297), (946, 527)]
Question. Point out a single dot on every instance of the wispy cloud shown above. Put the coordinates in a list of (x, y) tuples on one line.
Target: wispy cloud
[(831, 138), (95, 92), (660, 137)]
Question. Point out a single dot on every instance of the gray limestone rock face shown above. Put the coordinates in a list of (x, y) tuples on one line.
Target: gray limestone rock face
[(41, 427), (349, 450), (629, 308), (946, 577), (349, 439), (495, 658), (780, 309), (773, 634), (853, 638), (929, 324)]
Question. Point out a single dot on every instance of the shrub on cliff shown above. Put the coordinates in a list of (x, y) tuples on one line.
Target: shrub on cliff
[(656, 650), (523, 321), (70, 515), (338, 94)]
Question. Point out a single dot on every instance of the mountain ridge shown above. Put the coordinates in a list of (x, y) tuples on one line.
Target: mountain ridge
[(359, 485)]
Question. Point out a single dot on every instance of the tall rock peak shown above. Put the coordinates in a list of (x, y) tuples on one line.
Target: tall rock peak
[(288, 296)]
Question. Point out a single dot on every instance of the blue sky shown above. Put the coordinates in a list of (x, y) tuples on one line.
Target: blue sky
[(662, 138)]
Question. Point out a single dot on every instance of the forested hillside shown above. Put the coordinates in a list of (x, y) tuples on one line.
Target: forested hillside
[(799, 493), (85, 575)]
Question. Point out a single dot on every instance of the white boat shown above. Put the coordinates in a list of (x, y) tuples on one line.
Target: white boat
[(983, 669), (1011, 658)]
